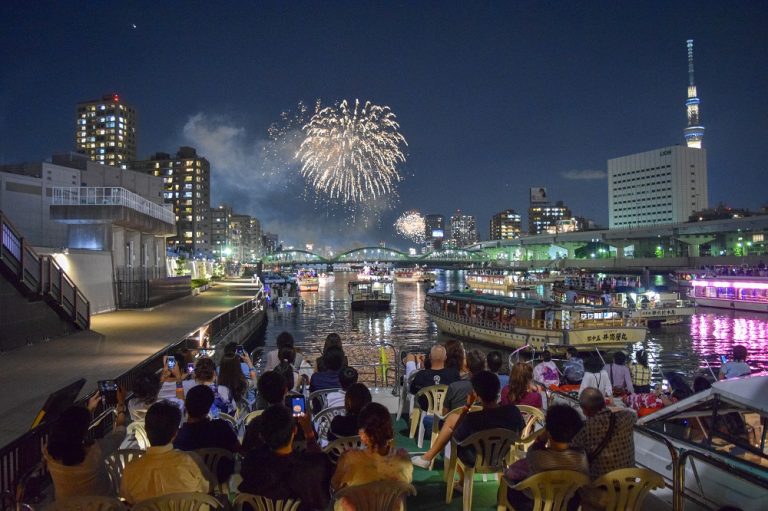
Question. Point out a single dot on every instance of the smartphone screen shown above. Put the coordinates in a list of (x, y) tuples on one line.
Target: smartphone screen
[(171, 362), (108, 390), (239, 350), (190, 368), (723, 359), (298, 405)]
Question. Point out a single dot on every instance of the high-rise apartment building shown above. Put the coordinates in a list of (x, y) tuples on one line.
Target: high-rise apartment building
[(187, 186), (245, 237), (505, 225), (434, 226), (542, 215), (661, 186), (270, 243), (463, 229), (106, 130)]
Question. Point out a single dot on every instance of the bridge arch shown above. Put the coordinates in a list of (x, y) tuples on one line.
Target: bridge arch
[(294, 257), (372, 254)]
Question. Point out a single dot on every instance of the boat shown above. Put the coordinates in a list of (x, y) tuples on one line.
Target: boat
[(491, 281), (368, 274), (307, 280), (413, 275), (370, 295), (272, 277), (723, 465), (517, 322), (326, 277), (731, 292)]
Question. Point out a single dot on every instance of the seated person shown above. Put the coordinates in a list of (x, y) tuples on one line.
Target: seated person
[(493, 361), (205, 374), (521, 389), (456, 395), (76, 464), (200, 432), (145, 388), (355, 399), (274, 470), (272, 392), (573, 369), (379, 461), (290, 371), (329, 377), (550, 451), (332, 340), (230, 375), (485, 386), (163, 469), (347, 376), (437, 374), (283, 340), (546, 371), (736, 367), (678, 389)]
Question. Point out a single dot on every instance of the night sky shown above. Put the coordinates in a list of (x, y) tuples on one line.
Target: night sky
[(492, 97)]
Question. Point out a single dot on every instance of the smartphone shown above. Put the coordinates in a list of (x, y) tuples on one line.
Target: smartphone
[(171, 362), (239, 350), (723, 359), (298, 405), (190, 368), (108, 391)]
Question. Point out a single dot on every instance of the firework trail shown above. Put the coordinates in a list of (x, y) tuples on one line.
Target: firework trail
[(350, 154), (411, 225)]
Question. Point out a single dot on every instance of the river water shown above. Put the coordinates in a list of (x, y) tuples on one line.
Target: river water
[(691, 347)]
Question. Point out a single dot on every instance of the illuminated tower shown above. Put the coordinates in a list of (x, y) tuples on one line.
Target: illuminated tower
[(694, 132)]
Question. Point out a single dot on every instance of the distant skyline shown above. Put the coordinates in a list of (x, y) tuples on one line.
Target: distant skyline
[(493, 98)]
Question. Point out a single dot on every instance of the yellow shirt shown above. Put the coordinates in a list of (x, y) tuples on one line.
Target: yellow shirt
[(641, 375), (360, 467), (163, 470)]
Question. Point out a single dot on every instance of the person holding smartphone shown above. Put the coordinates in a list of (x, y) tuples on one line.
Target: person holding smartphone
[(736, 367)]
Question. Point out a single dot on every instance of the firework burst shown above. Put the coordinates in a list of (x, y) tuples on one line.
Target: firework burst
[(351, 153), (411, 225)]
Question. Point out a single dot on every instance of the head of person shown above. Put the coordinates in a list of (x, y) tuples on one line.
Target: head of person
[(162, 422), (278, 427), (562, 423), (619, 358), (454, 355), (287, 354), (642, 357), (572, 352), (356, 398), (486, 385), (198, 401), (546, 356), (333, 359), (592, 401), (205, 369), (493, 361), (700, 383), (231, 376), (230, 348), (475, 361), (331, 340), (677, 386), (375, 427), (66, 442), (272, 387), (739, 353), (437, 356), (347, 376), (593, 364), (146, 386), (520, 378), (284, 339)]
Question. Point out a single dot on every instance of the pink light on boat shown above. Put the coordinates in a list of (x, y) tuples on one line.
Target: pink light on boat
[(730, 283)]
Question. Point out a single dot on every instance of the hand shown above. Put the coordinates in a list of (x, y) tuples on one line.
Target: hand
[(246, 358), (120, 396), (94, 401), (305, 421)]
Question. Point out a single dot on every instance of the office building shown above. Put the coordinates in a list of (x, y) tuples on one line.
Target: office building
[(106, 130), (661, 186), (187, 187), (434, 231), (463, 230), (543, 217), (505, 225)]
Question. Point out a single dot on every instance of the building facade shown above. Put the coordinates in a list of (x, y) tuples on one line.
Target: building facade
[(245, 237), (463, 230), (661, 186), (221, 223), (187, 187), (505, 225), (544, 217), (105, 130), (270, 243), (434, 231)]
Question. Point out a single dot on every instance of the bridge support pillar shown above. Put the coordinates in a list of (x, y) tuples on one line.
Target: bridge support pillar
[(694, 243)]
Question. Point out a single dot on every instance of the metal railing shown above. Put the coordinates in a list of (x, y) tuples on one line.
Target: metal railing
[(41, 276), (109, 196)]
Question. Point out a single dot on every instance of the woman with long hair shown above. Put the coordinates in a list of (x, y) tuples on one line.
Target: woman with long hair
[(520, 390), (454, 355), (379, 461), (231, 376), (205, 374)]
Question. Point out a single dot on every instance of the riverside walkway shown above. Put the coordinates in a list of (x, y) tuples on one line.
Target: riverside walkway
[(117, 341)]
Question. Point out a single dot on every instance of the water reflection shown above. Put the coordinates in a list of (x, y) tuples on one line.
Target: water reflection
[(687, 347)]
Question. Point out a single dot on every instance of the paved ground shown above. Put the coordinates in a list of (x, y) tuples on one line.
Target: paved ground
[(116, 342)]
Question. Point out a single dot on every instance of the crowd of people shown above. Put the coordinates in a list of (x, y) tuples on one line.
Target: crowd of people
[(282, 456)]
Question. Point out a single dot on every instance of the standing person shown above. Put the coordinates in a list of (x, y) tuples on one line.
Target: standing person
[(595, 376), (493, 361), (520, 391), (736, 367), (546, 371), (573, 369), (621, 379), (641, 373)]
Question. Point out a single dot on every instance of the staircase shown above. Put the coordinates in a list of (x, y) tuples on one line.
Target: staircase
[(39, 277)]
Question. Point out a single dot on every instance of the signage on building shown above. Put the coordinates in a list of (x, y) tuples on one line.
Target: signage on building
[(538, 194)]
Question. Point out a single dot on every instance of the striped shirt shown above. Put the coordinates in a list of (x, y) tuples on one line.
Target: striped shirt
[(641, 375)]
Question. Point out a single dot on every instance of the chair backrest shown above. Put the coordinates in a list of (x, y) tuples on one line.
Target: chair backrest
[(91, 503), (252, 415), (212, 456), (324, 418), (190, 501), (552, 489), (376, 496), (342, 444), (259, 503), (435, 395), (491, 447), (115, 464), (627, 487), (532, 417), (231, 420), (136, 428), (318, 400)]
